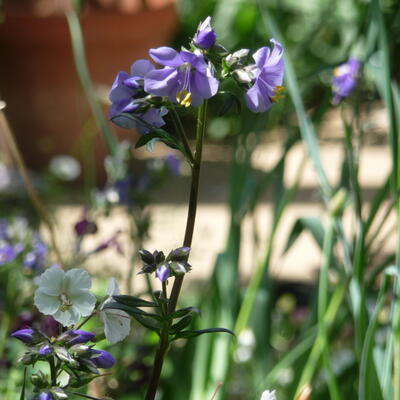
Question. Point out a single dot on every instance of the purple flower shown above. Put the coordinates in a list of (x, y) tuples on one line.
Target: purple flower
[(186, 77), (7, 254), (266, 76), (45, 396), (79, 336), (85, 227), (205, 36), (127, 96), (163, 272), (27, 335), (102, 359), (345, 79), (174, 164), (36, 258), (45, 350), (112, 242)]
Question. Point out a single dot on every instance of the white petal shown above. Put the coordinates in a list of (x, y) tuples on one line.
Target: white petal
[(113, 288), (45, 303), (76, 279), (117, 324), (83, 302), (268, 395), (68, 317), (51, 281)]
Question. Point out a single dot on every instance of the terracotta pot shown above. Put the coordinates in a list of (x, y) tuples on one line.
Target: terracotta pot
[(45, 103)]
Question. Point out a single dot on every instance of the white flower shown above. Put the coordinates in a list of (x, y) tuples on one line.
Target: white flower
[(65, 295), (117, 323), (268, 395)]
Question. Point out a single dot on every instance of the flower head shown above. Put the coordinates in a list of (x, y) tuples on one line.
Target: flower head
[(345, 79), (65, 295), (102, 359), (205, 36), (117, 323), (45, 396), (45, 350), (186, 77), (265, 78), (127, 96)]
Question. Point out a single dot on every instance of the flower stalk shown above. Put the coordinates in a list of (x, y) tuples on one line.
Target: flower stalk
[(190, 222)]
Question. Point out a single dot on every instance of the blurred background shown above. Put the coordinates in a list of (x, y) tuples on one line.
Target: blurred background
[(263, 206)]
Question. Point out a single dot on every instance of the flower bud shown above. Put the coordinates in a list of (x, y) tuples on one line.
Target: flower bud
[(179, 254), (45, 350), (236, 57), (39, 380), (163, 272), (85, 227), (79, 336), (28, 336), (58, 393), (79, 349), (102, 359), (45, 396), (205, 36)]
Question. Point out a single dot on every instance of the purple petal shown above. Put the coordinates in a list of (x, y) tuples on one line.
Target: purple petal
[(141, 68), (131, 83), (152, 116), (261, 56), (273, 75), (166, 56), (196, 60), (276, 54), (203, 85), (161, 82), (205, 36), (102, 359), (257, 99), (162, 273)]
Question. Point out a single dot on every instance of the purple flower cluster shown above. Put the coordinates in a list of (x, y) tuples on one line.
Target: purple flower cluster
[(17, 238), (141, 99), (345, 79)]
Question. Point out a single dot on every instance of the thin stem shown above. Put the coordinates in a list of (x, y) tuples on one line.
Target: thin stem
[(37, 202), (53, 371), (182, 134), (191, 217)]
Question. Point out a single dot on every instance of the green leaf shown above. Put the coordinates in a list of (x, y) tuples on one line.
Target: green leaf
[(192, 334), (148, 323), (132, 311), (133, 301), (311, 224), (184, 311), (180, 325)]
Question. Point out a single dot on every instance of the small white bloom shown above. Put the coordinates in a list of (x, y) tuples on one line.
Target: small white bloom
[(65, 295), (117, 323), (268, 395)]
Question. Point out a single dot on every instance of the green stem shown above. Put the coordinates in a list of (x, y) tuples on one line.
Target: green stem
[(191, 217), (53, 371), (182, 134), (86, 82), (37, 202)]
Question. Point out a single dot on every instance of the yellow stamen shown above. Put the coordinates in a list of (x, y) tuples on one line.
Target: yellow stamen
[(278, 93), (184, 97)]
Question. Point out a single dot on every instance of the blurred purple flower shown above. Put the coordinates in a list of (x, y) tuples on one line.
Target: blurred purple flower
[(266, 76), (127, 96), (345, 79), (174, 164), (102, 359), (186, 77), (112, 242), (7, 253), (85, 227), (36, 258), (205, 36)]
